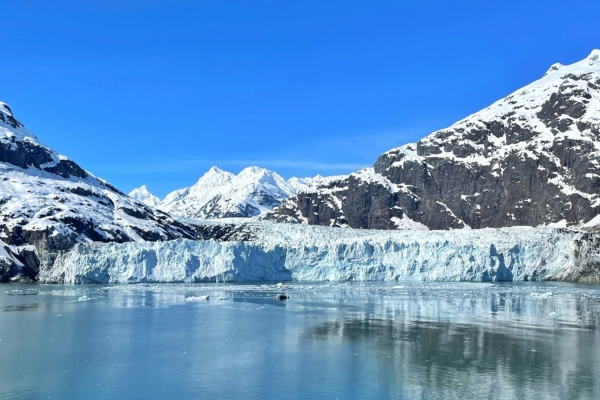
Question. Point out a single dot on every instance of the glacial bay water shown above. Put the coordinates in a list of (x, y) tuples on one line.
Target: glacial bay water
[(330, 341)]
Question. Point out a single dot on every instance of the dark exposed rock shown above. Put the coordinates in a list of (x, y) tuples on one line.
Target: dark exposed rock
[(27, 154), (529, 159), (7, 269), (8, 119), (51, 203)]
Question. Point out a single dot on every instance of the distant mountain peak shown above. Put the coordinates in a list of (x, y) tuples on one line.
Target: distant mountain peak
[(7, 117), (255, 170), (213, 177), (593, 57), (5, 108), (143, 195), (215, 170), (221, 194), (554, 67)]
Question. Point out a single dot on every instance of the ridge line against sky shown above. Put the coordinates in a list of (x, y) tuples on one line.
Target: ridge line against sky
[(127, 88), (192, 165)]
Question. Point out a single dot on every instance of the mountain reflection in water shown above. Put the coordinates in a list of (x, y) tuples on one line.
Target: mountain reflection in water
[(435, 359), (365, 340)]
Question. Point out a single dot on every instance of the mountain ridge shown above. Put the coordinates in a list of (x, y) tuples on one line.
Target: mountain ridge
[(221, 194), (48, 204), (531, 158)]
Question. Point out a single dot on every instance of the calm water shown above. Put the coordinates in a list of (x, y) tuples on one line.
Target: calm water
[(414, 341)]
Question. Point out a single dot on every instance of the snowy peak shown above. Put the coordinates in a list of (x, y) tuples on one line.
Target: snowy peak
[(564, 104), (48, 204), (21, 148), (143, 195), (221, 194), (591, 61), (215, 171), (298, 184), (7, 117), (593, 57), (257, 177), (553, 67), (5, 108), (213, 177)]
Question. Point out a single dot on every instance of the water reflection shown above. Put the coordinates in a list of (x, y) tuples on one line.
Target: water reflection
[(368, 340), (22, 307), (440, 359)]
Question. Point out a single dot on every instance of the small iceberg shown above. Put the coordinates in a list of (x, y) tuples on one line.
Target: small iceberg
[(16, 292), (197, 298), (542, 295)]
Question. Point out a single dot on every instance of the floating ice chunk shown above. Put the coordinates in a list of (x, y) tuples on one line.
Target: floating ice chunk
[(17, 292), (541, 295), (197, 298)]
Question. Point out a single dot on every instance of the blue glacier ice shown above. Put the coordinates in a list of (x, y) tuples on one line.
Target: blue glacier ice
[(283, 252)]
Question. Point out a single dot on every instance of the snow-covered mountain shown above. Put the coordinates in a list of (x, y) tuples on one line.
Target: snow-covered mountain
[(143, 195), (48, 203), (221, 194), (298, 184), (530, 158)]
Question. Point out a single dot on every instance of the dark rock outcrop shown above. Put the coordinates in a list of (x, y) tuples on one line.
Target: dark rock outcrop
[(531, 158), (49, 203)]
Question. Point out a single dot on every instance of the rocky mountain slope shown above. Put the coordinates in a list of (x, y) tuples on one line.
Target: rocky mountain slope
[(48, 203), (530, 158), (221, 194)]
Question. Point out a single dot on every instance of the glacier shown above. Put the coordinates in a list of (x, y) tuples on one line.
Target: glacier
[(284, 252)]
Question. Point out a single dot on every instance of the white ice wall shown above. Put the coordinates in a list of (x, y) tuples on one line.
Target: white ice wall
[(310, 253)]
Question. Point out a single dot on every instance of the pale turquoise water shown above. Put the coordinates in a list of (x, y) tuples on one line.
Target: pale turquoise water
[(413, 341)]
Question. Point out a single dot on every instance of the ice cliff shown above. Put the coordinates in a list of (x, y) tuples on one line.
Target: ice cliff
[(279, 252)]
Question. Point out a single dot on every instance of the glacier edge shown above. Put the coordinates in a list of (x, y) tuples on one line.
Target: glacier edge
[(282, 252)]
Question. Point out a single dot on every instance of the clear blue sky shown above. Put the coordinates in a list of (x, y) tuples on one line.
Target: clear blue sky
[(156, 92)]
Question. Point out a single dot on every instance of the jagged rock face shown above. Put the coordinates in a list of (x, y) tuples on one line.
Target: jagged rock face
[(531, 158), (50, 203), (24, 150)]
